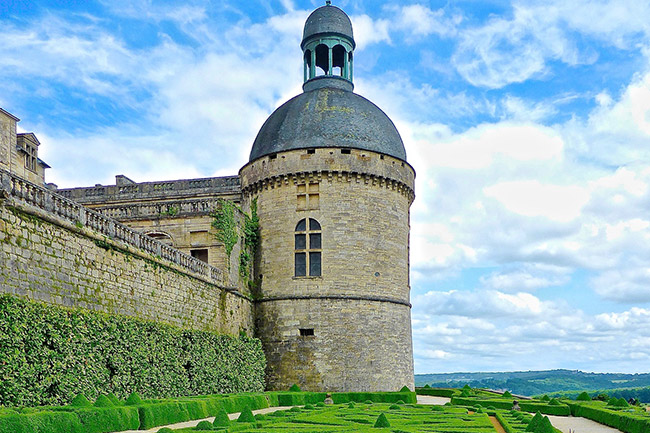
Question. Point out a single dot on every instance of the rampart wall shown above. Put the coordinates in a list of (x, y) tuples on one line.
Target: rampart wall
[(57, 251)]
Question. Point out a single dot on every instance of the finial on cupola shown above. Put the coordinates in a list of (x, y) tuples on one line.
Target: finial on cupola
[(328, 3)]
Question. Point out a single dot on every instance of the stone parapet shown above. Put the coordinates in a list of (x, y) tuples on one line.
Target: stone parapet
[(226, 187), (51, 205)]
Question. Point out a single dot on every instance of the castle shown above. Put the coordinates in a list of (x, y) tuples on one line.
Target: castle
[(327, 291)]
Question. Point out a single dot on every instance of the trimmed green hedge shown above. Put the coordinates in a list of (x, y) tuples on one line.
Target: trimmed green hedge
[(628, 422), (437, 392), (52, 353), (527, 406), (303, 398)]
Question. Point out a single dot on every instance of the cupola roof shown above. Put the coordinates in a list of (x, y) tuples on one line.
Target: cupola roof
[(327, 20)]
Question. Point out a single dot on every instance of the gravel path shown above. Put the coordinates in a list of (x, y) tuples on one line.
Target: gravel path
[(430, 399), (211, 419), (579, 425)]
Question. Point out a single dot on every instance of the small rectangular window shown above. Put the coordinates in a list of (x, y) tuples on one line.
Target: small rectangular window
[(307, 332), (314, 264), (345, 151), (301, 264), (314, 201), (201, 254), (302, 202), (311, 151)]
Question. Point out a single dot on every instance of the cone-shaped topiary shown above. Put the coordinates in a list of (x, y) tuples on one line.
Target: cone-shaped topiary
[(535, 422), (221, 419), (134, 399), (204, 425), (507, 394), (405, 389), (368, 402), (80, 401), (554, 402), (351, 405), (546, 398), (426, 385), (465, 393), (399, 402), (295, 388), (246, 415), (320, 404), (116, 401), (103, 401), (545, 426), (309, 406), (382, 421), (394, 407), (583, 396)]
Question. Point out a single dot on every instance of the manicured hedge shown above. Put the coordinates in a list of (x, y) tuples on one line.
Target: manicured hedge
[(50, 354), (628, 422), (437, 392), (303, 398), (527, 406)]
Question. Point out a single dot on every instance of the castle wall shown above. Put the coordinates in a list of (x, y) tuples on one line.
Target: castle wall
[(53, 250), (359, 307)]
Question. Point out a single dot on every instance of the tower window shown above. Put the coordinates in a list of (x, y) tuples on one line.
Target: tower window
[(308, 196), (201, 254), (307, 332), (345, 151), (307, 254)]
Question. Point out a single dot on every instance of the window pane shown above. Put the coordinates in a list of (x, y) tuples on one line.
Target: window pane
[(314, 264), (300, 242), (314, 241), (313, 187), (313, 224), (301, 265), (302, 189), (302, 226)]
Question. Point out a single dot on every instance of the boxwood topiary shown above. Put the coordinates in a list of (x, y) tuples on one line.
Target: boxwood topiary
[(309, 406), (295, 388), (368, 402), (80, 401), (584, 396), (103, 401), (351, 405), (165, 430), (405, 389), (535, 422), (507, 394), (221, 419), (134, 399), (382, 421), (204, 425), (394, 407), (399, 402), (246, 415), (116, 401)]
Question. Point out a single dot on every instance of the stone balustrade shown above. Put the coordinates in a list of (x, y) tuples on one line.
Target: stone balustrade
[(12, 186)]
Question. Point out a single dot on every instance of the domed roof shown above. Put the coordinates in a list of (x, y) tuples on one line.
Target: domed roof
[(328, 117), (328, 19)]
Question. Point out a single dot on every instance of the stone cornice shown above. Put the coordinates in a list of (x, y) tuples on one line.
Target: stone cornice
[(286, 179), (335, 297)]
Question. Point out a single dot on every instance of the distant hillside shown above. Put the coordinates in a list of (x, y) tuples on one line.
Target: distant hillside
[(536, 382)]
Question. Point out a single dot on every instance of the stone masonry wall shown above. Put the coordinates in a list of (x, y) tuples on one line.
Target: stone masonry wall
[(44, 257), (359, 308)]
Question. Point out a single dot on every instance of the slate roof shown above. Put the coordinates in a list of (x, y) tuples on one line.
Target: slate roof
[(328, 117)]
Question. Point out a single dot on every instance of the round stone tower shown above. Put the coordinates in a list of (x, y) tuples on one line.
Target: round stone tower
[(333, 189)]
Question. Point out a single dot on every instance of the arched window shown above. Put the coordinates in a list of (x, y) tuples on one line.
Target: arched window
[(322, 60), (307, 254)]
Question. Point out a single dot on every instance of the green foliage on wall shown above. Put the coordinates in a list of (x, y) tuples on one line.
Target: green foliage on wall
[(51, 354), (251, 242), (226, 225)]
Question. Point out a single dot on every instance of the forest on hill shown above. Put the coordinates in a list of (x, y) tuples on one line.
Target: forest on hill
[(537, 382)]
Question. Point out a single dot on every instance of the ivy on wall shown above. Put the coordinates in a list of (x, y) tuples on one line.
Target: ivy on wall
[(49, 354), (226, 225)]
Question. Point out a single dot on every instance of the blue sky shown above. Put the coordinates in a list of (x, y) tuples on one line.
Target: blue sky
[(528, 123)]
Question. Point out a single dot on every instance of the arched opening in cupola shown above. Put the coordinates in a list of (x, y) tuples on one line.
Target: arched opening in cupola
[(339, 58), (322, 60)]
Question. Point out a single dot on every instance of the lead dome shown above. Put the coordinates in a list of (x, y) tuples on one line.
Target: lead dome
[(328, 113)]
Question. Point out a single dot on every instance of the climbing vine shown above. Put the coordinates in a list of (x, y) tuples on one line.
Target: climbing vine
[(224, 222), (251, 241)]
